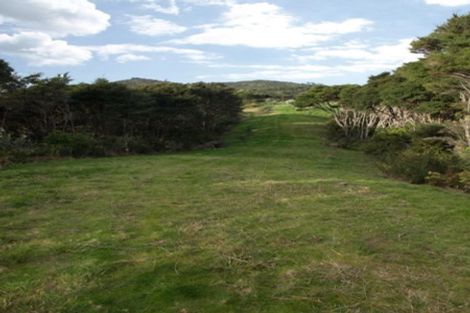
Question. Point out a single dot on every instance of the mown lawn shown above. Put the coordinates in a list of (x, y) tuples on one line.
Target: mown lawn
[(278, 221)]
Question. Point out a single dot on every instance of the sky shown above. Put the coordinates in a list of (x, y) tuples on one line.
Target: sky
[(317, 41)]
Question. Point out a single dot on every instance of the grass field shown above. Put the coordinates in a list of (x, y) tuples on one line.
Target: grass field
[(277, 221)]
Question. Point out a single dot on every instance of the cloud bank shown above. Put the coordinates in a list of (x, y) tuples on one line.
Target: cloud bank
[(265, 25), (448, 3), (57, 18)]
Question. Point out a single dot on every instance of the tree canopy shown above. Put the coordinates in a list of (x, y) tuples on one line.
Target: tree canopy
[(428, 85), (112, 117)]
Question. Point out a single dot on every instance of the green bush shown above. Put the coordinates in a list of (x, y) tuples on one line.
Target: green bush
[(415, 164), (465, 155), (139, 145), (15, 150), (76, 145), (430, 130), (436, 179), (335, 134), (127, 145), (437, 135), (423, 155), (387, 143), (464, 180), (451, 179)]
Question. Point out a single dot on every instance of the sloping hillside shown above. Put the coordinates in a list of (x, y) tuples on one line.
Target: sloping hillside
[(136, 82), (255, 89), (264, 89)]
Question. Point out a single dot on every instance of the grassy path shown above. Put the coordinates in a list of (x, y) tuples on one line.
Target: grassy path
[(276, 222)]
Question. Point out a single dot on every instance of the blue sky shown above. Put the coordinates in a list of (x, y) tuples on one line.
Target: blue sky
[(331, 42)]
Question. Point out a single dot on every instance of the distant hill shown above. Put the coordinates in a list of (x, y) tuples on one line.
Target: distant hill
[(139, 82), (262, 84), (264, 89), (250, 90)]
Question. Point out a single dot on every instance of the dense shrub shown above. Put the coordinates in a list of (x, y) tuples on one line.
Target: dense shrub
[(415, 164), (166, 116), (464, 180), (465, 155), (437, 179), (388, 143), (335, 134), (15, 150), (451, 179), (76, 145), (421, 155), (433, 92), (430, 130), (130, 144), (47, 116), (459, 180)]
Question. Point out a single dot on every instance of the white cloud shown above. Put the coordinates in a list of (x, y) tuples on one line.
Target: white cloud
[(160, 6), (275, 72), (125, 58), (210, 2), (351, 58), (385, 56), (192, 55), (265, 25), (150, 26), (448, 3), (346, 27), (57, 18), (40, 49)]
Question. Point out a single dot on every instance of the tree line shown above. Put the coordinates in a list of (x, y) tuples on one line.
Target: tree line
[(416, 119), (50, 117), (259, 91)]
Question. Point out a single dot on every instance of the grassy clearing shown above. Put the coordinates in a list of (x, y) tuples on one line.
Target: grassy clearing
[(276, 222)]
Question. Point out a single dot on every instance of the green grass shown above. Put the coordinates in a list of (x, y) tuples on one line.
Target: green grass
[(276, 222)]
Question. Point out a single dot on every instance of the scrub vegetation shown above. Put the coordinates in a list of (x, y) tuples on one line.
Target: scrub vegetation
[(416, 120)]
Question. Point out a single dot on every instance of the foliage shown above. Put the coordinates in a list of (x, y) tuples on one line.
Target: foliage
[(447, 49), (137, 83), (328, 98), (262, 90), (414, 164), (15, 149), (437, 179), (249, 91), (464, 180), (69, 144), (37, 108), (318, 96), (335, 134), (8, 79), (387, 143), (425, 86), (418, 115), (110, 118), (423, 154)]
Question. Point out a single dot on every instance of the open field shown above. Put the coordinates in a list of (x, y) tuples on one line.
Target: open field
[(278, 221)]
